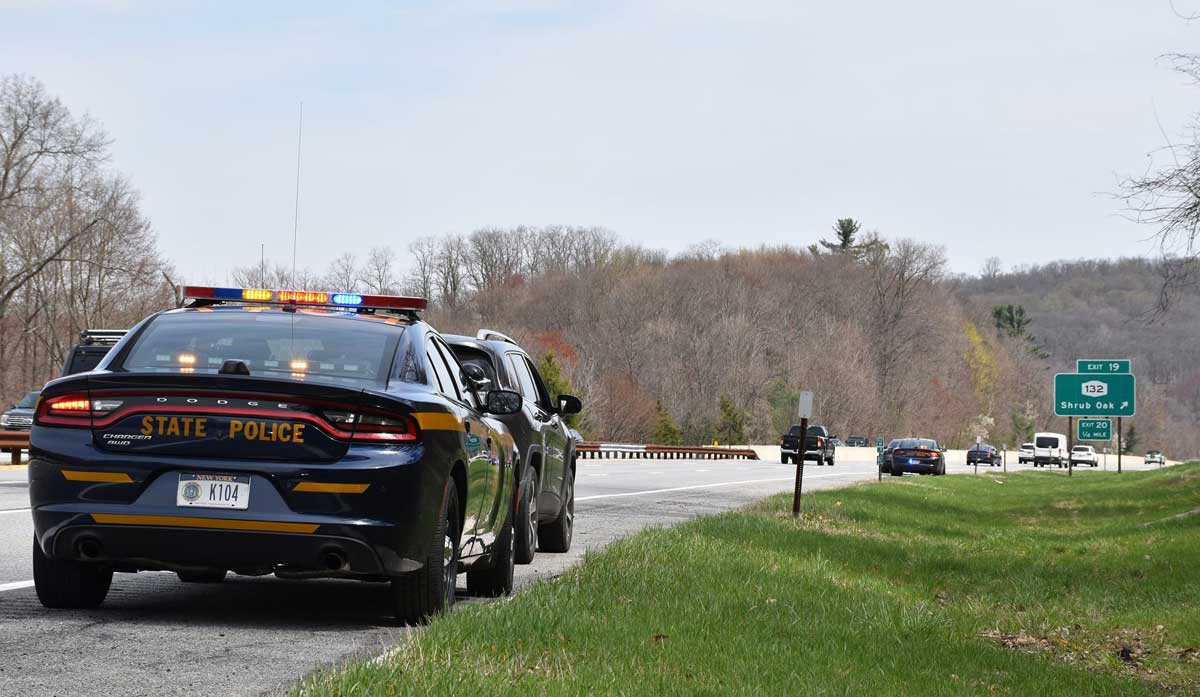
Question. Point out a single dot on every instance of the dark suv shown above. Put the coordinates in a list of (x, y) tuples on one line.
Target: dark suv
[(546, 477), (19, 417), (94, 345)]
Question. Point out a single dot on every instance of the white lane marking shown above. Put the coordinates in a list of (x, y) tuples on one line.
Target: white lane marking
[(14, 510), (708, 486), (16, 585)]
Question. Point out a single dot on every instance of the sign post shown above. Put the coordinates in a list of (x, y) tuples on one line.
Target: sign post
[(978, 441), (805, 411), (879, 458), (1120, 445)]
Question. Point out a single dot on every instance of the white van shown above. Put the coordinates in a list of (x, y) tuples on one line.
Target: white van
[(1049, 449)]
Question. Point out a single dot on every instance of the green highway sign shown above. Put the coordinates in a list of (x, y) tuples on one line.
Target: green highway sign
[(879, 444), (1093, 430), (1102, 366), (1086, 394)]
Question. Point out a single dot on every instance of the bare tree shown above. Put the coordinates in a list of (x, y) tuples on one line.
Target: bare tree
[(343, 273), (422, 277), (379, 271), (991, 269)]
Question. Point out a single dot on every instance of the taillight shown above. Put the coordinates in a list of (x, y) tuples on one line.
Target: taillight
[(820, 442), (74, 410), (373, 427)]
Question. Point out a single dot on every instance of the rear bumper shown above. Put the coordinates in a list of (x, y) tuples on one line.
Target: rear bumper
[(898, 465), (134, 522)]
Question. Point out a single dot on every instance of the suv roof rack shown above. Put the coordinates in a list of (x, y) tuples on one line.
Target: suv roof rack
[(493, 335), (101, 336)]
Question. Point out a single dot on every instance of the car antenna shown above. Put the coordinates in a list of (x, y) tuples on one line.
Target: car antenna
[(296, 209)]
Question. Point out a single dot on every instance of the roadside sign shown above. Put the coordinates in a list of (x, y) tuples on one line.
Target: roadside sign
[(1090, 394), (1103, 366), (806, 404), (1099, 430), (879, 445)]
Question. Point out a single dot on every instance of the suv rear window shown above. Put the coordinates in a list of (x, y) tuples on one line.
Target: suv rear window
[(301, 345), (1048, 442)]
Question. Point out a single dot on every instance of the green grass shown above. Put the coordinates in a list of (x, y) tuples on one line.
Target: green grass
[(1025, 584)]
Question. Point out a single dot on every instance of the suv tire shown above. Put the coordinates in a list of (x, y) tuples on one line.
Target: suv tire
[(525, 525), (556, 536)]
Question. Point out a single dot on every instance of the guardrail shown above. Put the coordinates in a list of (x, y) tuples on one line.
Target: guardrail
[(14, 442), (662, 452)]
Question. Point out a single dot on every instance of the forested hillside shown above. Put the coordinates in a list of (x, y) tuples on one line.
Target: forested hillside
[(1106, 309)]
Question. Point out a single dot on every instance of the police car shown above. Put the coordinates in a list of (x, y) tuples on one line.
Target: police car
[(298, 433)]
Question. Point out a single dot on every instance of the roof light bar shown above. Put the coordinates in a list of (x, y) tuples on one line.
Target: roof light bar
[(304, 297)]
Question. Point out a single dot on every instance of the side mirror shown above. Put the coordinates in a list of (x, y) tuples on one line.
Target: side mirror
[(569, 404), (503, 402)]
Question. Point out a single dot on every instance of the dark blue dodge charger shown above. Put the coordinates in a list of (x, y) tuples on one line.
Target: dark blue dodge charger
[(302, 434)]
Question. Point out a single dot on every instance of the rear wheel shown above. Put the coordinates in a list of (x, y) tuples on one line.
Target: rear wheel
[(419, 595), (66, 583), (783, 459), (829, 461), (896, 471), (525, 525), (556, 536), (498, 580)]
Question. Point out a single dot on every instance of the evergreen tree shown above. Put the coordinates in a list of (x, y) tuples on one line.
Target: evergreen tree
[(844, 232), (665, 432), (556, 383), (1129, 443), (731, 423)]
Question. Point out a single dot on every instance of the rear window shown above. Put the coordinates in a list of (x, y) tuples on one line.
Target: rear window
[(1048, 442), (29, 401), (302, 345), (1081, 448), (917, 444)]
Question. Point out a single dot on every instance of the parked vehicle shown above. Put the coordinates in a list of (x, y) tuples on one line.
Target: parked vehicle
[(917, 455), (298, 433), (19, 416), (1049, 449), (983, 454), (857, 442), (1155, 457), (816, 445), (1025, 453), (882, 460), (545, 505), (1084, 455), (94, 345)]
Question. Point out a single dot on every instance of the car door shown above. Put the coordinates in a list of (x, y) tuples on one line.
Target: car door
[(482, 464), (558, 438), (540, 416)]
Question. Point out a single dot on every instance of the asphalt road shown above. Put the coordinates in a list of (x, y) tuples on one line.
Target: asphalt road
[(157, 636)]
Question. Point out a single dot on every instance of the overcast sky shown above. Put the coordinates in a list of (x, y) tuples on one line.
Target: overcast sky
[(994, 129)]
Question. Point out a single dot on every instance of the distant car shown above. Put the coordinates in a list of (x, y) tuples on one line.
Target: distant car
[(837, 443), (1025, 453), (817, 445), (1084, 455), (575, 436), (916, 455), (983, 454), (1049, 449), (19, 417), (857, 442), (1155, 457)]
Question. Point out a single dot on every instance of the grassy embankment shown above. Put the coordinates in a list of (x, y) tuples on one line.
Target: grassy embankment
[(1025, 584)]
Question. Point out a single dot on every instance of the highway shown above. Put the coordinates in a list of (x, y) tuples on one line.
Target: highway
[(247, 636)]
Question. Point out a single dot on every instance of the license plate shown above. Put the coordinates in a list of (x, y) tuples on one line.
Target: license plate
[(913, 461), (213, 491)]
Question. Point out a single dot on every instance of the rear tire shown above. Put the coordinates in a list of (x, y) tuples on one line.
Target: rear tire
[(525, 525), (896, 472), (556, 536), (66, 583), (420, 595), (498, 580)]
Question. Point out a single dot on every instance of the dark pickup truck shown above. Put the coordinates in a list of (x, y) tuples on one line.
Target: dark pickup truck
[(818, 445)]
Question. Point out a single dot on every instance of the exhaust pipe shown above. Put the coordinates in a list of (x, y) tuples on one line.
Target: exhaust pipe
[(333, 560), (89, 548)]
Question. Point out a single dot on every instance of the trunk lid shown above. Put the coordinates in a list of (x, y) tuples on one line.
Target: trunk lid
[(222, 416)]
